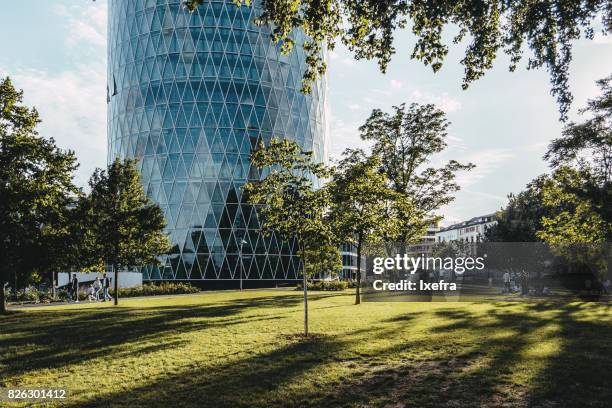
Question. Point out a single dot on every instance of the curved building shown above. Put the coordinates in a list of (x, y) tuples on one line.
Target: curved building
[(189, 96)]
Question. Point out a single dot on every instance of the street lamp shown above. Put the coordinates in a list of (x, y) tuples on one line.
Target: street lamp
[(242, 242)]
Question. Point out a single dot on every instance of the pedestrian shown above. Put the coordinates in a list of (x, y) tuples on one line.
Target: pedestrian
[(506, 282), (106, 287), (91, 293), (97, 285), (75, 288)]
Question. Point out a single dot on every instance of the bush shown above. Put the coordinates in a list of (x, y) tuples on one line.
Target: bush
[(31, 296), (332, 286), (152, 289)]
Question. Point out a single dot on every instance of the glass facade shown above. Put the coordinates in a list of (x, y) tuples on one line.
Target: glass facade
[(190, 95)]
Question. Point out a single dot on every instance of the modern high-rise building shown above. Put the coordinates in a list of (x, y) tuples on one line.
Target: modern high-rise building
[(189, 96)]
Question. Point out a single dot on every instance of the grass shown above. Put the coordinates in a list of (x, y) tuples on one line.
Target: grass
[(233, 349)]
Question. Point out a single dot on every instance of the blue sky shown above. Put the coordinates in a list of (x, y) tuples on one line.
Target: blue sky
[(56, 52)]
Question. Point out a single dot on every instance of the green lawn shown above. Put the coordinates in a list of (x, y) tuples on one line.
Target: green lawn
[(234, 349)]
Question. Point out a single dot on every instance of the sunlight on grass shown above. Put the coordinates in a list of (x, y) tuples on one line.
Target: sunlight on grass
[(244, 349)]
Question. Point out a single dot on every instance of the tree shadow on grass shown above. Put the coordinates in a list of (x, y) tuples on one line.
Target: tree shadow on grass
[(57, 339), (483, 367), (486, 374), (267, 379)]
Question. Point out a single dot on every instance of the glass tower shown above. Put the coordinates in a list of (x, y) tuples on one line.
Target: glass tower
[(189, 96)]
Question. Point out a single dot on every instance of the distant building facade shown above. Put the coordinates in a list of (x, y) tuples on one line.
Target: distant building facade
[(472, 230), (426, 244)]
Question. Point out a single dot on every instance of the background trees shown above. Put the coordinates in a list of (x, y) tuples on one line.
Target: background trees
[(545, 29), (406, 141), (574, 203), (125, 225), (288, 203), (35, 190)]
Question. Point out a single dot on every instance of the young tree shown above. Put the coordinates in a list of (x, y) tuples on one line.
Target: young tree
[(287, 201), (126, 226), (406, 141), (543, 29), (362, 203), (35, 185)]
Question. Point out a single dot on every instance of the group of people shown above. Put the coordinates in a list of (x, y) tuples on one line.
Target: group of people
[(96, 291)]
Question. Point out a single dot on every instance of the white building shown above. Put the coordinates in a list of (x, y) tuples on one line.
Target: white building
[(472, 230), (425, 245)]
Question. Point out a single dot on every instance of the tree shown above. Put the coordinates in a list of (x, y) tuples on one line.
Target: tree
[(544, 29), (576, 219), (406, 141), (361, 203), (521, 219), (127, 227), (35, 185), (287, 201), (587, 147), (325, 259)]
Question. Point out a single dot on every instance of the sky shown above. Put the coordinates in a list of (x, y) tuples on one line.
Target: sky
[(56, 52)]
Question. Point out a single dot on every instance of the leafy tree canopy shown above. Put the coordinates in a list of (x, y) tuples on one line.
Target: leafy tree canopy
[(125, 228), (35, 190), (364, 206), (521, 219), (288, 203), (544, 29), (406, 141)]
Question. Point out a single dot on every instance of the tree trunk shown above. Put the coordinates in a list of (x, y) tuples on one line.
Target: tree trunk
[(3, 307), (116, 298), (358, 288), (305, 283)]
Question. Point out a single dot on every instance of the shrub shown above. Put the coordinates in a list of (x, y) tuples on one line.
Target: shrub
[(332, 286), (152, 289)]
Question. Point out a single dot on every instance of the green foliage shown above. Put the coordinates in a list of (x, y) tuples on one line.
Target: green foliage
[(521, 219), (153, 289), (575, 220), (324, 260), (406, 141), (125, 228), (569, 209), (363, 204), (322, 285), (288, 203), (543, 29), (588, 145), (580, 189), (35, 186)]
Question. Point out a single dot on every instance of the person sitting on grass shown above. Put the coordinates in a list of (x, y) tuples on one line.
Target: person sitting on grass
[(91, 294)]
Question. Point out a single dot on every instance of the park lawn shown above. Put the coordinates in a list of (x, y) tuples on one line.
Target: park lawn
[(243, 349)]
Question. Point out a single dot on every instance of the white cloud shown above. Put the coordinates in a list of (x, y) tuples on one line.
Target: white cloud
[(396, 84), (334, 56), (344, 135), (600, 38), (443, 101), (72, 102), (487, 161), (86, 23), (72, 106), (354, 106)]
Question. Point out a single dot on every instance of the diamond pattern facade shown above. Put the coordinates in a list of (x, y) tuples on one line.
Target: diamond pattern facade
[(189, 96)]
